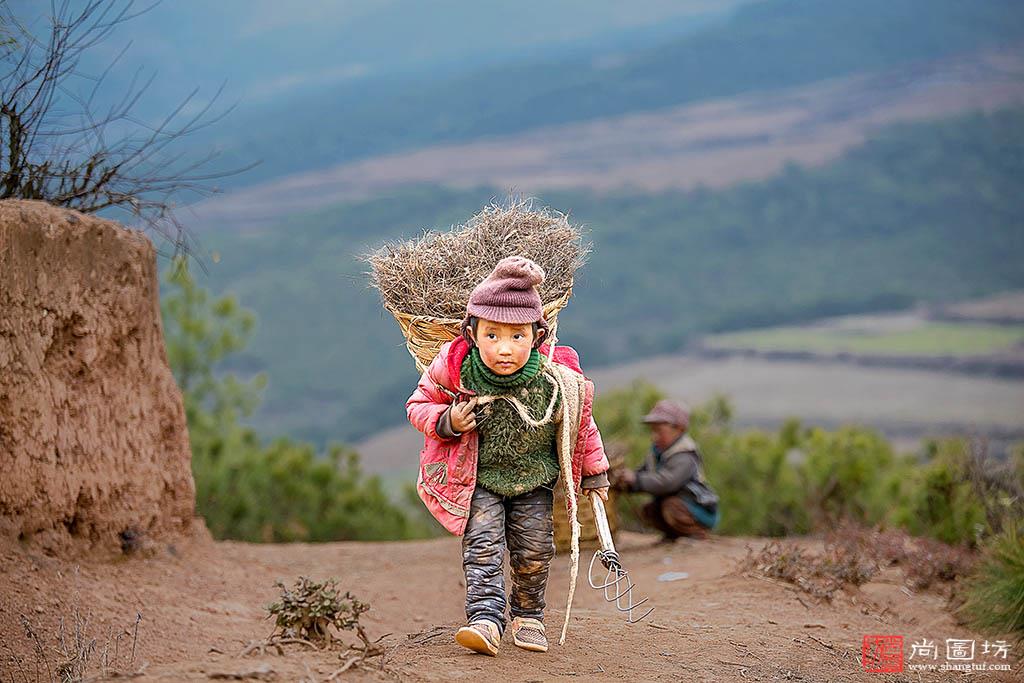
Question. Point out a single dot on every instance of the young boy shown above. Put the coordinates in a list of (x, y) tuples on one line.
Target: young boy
[(490, 407)]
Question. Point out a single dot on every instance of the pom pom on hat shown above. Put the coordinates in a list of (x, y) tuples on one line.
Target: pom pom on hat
[(526, 272)]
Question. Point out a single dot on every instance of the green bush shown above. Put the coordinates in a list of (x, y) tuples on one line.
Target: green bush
[(247, 489), (852, 474), (995, 593), (942, 501), (796, 480), (285, 492), (759, 489)]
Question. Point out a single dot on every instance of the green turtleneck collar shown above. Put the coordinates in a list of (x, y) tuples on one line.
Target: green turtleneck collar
[(483, 380)]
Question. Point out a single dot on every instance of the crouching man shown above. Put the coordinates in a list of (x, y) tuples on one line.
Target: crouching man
[(683, 504)]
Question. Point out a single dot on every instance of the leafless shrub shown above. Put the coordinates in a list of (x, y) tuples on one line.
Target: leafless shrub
[(76, 653), (929, 561), (820, 575), (997, 484), (56, 146)]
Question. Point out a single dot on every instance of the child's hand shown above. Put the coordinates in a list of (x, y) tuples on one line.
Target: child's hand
[(462, 416), (603, 492)]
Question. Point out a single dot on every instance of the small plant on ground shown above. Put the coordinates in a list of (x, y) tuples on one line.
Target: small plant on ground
[(309, 609), (307, 612)]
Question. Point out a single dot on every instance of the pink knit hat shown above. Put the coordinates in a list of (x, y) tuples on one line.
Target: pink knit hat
[(509, 294)]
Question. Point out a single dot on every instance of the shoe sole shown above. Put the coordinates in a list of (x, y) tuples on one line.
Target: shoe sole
[(532, 647), (471, 639)]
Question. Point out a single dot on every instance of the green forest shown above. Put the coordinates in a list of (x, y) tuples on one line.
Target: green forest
[(880, 228)]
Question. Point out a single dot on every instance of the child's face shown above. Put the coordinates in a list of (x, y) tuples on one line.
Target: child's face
[(664, 435), (504, 347)]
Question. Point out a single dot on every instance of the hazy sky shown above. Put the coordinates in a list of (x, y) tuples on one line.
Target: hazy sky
[(264, 49)]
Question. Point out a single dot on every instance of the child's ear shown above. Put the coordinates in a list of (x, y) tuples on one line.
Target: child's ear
[(541, 333)]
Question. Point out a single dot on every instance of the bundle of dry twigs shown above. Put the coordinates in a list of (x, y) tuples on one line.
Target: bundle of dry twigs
[(426, 282)]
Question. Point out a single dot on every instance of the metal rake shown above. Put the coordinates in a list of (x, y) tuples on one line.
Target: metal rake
[(617, 586)]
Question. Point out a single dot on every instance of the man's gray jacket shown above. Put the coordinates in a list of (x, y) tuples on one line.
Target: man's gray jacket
[(668, 473)]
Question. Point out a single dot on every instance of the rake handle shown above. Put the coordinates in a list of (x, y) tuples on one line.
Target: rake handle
[(604, 532)]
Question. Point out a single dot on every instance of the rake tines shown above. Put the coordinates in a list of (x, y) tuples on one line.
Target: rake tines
[(617, 586)]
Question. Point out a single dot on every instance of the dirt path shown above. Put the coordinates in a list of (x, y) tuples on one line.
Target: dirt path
[(201, 602)]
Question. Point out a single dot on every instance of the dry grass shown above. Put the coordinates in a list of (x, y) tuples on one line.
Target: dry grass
[(435, 274), (853, 555), (925, 562), (820, 575), (75, 653)]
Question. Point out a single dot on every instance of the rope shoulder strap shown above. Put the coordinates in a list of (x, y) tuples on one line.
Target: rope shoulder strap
[(572, 387)]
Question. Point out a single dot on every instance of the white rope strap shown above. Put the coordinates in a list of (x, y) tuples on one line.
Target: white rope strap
[(570, 413), (522, 409), (570, 407)]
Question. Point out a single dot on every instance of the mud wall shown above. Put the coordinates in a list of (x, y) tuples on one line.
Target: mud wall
[(94, 448)]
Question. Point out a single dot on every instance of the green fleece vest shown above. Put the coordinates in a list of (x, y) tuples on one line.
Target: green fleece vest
[(514, 457)]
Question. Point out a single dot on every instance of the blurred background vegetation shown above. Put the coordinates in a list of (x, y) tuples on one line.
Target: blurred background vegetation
[(248, 488), (800, 480), (794, 481)]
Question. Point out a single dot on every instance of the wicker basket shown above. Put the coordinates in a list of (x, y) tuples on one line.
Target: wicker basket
[(588, 529), (424, 334)]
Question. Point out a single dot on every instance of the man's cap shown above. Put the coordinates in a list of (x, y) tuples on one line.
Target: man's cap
[(670, 412)]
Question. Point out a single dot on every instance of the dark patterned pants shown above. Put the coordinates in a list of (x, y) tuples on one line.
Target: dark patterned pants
[(523, 523)]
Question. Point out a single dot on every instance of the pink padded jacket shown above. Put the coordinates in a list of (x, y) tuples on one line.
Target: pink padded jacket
[(447, 475)]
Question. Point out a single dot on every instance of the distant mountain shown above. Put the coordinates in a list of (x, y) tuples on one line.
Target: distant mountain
[(922, 212), (715, 143), (271, 52), (764, 46)]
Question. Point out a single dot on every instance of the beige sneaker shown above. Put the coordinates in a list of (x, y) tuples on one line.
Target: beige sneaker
[(529, 634), (480, 636)]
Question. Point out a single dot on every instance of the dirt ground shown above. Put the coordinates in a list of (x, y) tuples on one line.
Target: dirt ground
[(202, 602)]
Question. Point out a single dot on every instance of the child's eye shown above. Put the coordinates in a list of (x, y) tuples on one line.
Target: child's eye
[(517, 336), (491, 335)]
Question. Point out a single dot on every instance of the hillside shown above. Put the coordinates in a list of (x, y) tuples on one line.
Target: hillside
[(877, 229), (716, 143), (761, 47)]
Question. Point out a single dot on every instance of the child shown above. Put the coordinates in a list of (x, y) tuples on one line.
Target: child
[(490, 406)]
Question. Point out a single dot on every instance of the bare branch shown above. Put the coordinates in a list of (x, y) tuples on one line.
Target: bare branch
[(75, 158)]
